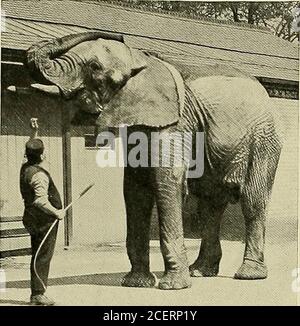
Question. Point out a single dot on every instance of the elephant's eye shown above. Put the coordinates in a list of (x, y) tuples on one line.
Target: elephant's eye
[(94, 65)]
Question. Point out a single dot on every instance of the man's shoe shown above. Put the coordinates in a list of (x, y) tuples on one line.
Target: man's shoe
[(41, 300)]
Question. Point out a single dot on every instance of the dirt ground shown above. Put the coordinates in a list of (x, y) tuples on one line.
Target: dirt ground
[(92, 276)]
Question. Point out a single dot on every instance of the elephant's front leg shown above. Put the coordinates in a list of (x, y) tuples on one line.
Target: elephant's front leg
[(169, 199), (139, 203)]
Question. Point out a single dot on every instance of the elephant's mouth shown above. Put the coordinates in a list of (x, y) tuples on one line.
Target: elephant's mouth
[(82, 118), (89, 102), (86, 100), (88, 108)]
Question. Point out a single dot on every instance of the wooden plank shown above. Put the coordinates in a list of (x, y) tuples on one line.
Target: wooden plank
[(14, 233), (13, 55), (55, 155), (13, 243), (12, 225), (3, 172), (12, 176), (284, 82), (67, 175), (15, 252), (6, 219)]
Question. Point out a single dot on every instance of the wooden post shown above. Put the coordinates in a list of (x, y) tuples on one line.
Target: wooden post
[(67, 174)]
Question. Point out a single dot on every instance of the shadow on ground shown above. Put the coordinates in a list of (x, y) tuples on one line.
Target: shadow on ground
[(14, 302), (105, 279)]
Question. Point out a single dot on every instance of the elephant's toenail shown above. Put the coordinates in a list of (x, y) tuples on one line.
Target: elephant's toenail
[(164, 286)]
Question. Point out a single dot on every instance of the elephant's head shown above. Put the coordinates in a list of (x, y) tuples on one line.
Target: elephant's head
[(100, 74)]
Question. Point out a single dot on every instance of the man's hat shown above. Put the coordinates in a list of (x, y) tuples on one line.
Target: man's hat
[(34, 147)]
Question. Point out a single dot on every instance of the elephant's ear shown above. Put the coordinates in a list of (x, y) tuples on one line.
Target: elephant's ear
[(153, 97)]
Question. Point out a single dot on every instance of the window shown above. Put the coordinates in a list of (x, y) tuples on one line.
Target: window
[(90, 141), (90, 137)]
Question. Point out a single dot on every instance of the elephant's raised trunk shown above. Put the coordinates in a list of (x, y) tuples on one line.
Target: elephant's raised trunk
[(41, 56)]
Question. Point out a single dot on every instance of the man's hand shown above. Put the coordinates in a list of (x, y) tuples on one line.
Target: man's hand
[(34, 128), (60, 214), (34, 124)]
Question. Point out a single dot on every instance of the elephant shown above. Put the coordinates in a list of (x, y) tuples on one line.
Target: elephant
[(114, 86)]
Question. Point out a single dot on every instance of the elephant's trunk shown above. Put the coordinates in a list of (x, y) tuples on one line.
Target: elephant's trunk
[(41, 56)]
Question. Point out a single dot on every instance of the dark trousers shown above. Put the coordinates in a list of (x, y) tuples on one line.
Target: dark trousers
[(37, 232)]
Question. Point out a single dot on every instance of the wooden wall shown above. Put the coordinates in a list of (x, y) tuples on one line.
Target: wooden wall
[(16, 111), (99, 217)]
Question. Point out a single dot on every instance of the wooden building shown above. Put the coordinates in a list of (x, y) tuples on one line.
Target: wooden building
[(100, 217)]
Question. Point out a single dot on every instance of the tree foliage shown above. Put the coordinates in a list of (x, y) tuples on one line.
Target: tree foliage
[(276, 16)]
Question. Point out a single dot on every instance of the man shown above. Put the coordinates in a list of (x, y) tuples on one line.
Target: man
[(42, 206)]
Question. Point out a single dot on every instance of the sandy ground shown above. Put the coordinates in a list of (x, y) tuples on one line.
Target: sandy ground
[(92, 276)]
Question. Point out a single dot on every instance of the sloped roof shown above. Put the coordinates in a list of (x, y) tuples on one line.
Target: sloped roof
[(182, 40)]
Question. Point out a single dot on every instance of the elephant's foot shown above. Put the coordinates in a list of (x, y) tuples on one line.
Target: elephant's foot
[(208, 261), (204, 270), (175, 280), (139, 279), (251, 270)]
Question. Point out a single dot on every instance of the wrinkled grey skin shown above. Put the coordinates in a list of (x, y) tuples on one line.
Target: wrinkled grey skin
[(96, 76)]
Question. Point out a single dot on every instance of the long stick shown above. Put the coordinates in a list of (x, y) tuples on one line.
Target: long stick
[(51, 228), (80, 195)]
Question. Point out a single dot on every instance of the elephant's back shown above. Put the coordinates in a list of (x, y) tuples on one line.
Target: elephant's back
[(235, 111), (230, 97), (231, 107)]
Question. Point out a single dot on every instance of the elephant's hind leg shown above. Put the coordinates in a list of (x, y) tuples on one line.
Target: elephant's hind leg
[(208, 260), (139, 203), (254, 201)]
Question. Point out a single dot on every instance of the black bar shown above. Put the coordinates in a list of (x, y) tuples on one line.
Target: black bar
[(198, 315)]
